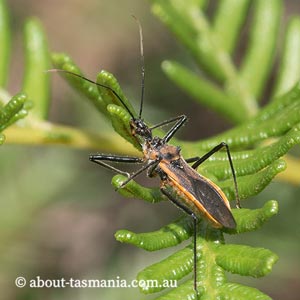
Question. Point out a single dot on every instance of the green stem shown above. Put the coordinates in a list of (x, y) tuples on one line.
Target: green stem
[(45, 133)]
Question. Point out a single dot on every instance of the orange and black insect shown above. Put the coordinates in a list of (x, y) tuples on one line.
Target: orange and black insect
[(195, 194)]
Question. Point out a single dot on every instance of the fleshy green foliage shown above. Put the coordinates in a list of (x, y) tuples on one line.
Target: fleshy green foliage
[(35, 129), (262, 137), (14, 110), (233, 91), (214, 256), (37, 62), (35, 91), (103, 99)]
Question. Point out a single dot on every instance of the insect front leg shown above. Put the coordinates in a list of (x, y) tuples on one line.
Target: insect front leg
[(180, 121), (199, 160)]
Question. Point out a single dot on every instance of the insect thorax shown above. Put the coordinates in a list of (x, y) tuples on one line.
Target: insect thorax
[(157, 149)]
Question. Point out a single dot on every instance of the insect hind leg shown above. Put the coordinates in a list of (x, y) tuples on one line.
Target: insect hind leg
[(199, 160), (189, 212)]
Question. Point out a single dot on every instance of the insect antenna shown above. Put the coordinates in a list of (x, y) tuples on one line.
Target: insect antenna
[(95, 83), (142, 65)]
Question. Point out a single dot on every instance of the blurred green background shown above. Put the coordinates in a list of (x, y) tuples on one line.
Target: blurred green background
[(58, 212)]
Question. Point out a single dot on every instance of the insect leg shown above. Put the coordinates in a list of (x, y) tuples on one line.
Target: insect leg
[(179, 122), (192, 159), (99, 158), (166, 122), (189, 212), (217, 148), (138, 172), (152, 171)]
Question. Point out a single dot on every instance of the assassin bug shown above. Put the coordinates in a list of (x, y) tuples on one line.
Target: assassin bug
[(195, 194)]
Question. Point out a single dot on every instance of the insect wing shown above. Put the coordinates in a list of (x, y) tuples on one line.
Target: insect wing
[(199, 193), (213, 200)]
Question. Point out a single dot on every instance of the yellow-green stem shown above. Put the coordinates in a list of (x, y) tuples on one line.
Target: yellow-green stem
[(48, 134)]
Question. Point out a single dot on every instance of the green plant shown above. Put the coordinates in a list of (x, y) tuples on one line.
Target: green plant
[(258, 141)]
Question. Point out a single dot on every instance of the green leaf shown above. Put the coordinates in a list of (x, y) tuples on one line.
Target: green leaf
[(258, 60), (108, 80), (37, 61), (181, 229), (274, 120), (289, 71), (174, 267), (228, 20), (107, 96), (64, 62), (5, 42), (245, 260), (250, 185), (134, 190), (184, 29), (120, 120), (14, 110), (183, 292), (169, 235), (192, 28), (204, 91), (237, 291), (253, 219), (213, 259)]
